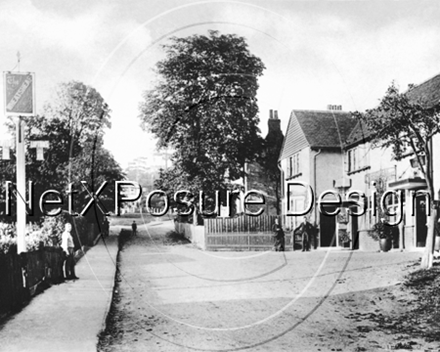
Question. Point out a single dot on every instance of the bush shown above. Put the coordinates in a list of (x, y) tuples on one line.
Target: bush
[(33, 237), (53, 228), (47, 233), (6, 243), (381, 230)]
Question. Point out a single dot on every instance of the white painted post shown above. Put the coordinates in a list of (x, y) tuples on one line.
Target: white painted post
[(21, 186)]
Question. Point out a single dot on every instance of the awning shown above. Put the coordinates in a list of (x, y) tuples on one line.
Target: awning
[(408, 183), (345, 204)]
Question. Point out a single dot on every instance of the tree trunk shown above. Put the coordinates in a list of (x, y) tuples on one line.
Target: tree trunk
[(195, 216), (428, 254), (401, 229)]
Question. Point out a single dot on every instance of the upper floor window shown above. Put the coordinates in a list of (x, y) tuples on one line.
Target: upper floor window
[(293, 165), (357, 158)]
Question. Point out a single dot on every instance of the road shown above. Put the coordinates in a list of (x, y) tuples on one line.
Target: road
[(178, 298)]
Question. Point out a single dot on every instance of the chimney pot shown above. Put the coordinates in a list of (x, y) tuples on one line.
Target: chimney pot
[(271, 114), (275, 114)]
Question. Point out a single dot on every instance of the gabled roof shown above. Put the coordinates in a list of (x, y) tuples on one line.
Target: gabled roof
[(428, 92), (316, 129), (359, 134)]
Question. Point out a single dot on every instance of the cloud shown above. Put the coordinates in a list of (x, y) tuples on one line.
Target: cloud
[(67, 44), (88, 35), (316, 53)]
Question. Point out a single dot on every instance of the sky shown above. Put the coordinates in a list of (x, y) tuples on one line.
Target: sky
[(315, 52)]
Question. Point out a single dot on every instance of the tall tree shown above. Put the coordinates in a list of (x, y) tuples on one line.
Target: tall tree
[(81, 110), (204, 107), (407, 125), (74, 123)]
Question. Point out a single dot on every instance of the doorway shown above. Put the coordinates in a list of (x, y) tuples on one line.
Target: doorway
[(421, 229), (327, 225), (354, 232)]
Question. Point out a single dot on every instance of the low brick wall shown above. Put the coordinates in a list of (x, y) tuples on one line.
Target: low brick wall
[(366, 243), (195, 234)]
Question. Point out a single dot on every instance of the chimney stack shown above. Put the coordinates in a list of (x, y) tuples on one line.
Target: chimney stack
[(334, 107), (274, 123)]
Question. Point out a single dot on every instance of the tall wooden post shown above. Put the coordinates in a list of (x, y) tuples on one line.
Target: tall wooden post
[(21, 186)]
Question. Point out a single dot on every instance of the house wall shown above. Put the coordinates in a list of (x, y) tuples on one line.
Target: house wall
[(380, 160), (329, 170), (297, 192), (329, 167)]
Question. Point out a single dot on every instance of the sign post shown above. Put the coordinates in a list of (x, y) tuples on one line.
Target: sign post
[(21, 186), (20, 101)]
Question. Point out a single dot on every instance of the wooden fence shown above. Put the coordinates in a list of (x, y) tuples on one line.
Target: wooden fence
[(12, 293), (242, 233), (20, 275)]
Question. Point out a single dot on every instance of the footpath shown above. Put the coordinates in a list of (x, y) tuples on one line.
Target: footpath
[(68, 317)]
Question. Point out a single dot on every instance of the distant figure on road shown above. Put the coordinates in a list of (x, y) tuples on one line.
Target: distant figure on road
[(134, 228), (105, 227), (279, 236), (68, 246), (306, 231)]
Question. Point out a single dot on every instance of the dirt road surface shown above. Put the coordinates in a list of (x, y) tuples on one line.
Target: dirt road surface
[(178, 298)]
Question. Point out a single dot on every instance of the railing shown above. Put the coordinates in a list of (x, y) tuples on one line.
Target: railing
[(242, 233)]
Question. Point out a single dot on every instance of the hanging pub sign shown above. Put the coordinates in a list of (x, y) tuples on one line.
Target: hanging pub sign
[(19, 88)]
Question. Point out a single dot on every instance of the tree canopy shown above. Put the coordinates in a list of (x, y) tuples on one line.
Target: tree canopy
[(74, 123), (406, 123), (204, 107)]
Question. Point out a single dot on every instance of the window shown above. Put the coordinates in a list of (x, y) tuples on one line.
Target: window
[(350, 160), (296, 164), (293, 166), (357, 158)]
